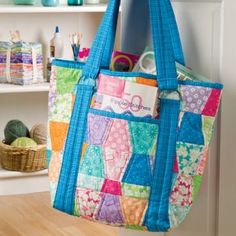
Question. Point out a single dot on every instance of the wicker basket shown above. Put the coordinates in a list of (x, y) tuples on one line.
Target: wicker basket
[(23, 159)]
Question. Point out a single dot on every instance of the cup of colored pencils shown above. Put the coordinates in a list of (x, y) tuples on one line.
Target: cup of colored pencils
[(75, 40)]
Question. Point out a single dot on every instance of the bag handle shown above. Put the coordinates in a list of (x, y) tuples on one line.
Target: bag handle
[(103, 34), (174, 33), (162, 44), (168, 35), (110, 38)]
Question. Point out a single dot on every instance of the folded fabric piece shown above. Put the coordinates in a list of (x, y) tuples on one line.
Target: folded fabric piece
[(21, 63)]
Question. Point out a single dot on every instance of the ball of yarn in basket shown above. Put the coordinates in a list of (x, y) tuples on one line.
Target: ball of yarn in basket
[(24, 142), (15, 129), (39, 133)]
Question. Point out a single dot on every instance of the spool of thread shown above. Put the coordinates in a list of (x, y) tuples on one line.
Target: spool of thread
[(39, 133), (15, 129), (24, 142)]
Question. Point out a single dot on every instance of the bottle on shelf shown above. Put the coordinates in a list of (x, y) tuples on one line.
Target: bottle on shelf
[(50, 3), (24, 2), (49, 68), (56, 44), (75, 2), (56, 50), (92, 1)]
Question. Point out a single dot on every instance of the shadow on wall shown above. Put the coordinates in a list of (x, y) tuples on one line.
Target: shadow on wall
[(135, 26)]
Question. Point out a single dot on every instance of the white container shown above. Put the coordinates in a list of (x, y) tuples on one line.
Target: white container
[(92, 1), (56, 45)]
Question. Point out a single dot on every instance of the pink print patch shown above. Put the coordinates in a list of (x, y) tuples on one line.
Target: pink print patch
[(88, 202), (112, 187), (176, 166), (181, 194), (111, 86), (117, 149), (202, 162), (212, 103)]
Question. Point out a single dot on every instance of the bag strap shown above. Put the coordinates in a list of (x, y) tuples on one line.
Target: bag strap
[(174, 33), (157, 215), (162, 44), (107, 54), (94, 61)]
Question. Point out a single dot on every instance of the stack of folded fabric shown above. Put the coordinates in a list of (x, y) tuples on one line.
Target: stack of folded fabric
[(4, 46), (21, 63)]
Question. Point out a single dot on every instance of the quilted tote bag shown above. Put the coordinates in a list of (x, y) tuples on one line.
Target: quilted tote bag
[(124, 170)]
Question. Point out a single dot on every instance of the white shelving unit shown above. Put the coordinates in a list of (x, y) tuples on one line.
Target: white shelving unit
[(13, 182), (8, 8), (29, 103), (11, 88)]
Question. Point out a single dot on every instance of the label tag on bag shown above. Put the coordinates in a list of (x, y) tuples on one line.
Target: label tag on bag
[(126, 97)]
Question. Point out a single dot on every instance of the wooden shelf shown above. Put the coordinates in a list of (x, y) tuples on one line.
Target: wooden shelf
[(11, 88), (7, 8), (6, 174)]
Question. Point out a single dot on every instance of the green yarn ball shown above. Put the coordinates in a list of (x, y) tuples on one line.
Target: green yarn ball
[(39, 133), (15, 129), (24, 142)]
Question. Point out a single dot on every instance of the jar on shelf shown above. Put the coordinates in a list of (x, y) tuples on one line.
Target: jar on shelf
[(24, 2), (75, 2), (50, 3), (92, 1)]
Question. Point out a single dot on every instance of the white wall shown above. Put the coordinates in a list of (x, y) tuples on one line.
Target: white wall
[(227, 196), (39, 1)]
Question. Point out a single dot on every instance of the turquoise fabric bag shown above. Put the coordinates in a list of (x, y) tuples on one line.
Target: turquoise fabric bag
[(139, 172)]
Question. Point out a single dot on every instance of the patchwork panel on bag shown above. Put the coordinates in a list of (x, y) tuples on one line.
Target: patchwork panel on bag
[(177, 214), (194, 98), (189, 157), (90, 182), (143, 136), (197, 180), (66, 86), (117, 149), (58, 133), (116, 164), (97, 126), (133, 210), (61, 108), (126, 151), (60, 104), (135, 191), (207, 128), (181, 194), (113, 164), (54, 167), (92, 163), (191, 129), (53, 189), (196, 121), (88, 202), (110, 210), (112, 187), (138, 171), (212, 104)]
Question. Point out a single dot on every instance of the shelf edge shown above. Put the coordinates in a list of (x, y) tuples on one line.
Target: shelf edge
[(6, 174), (59, 9)]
